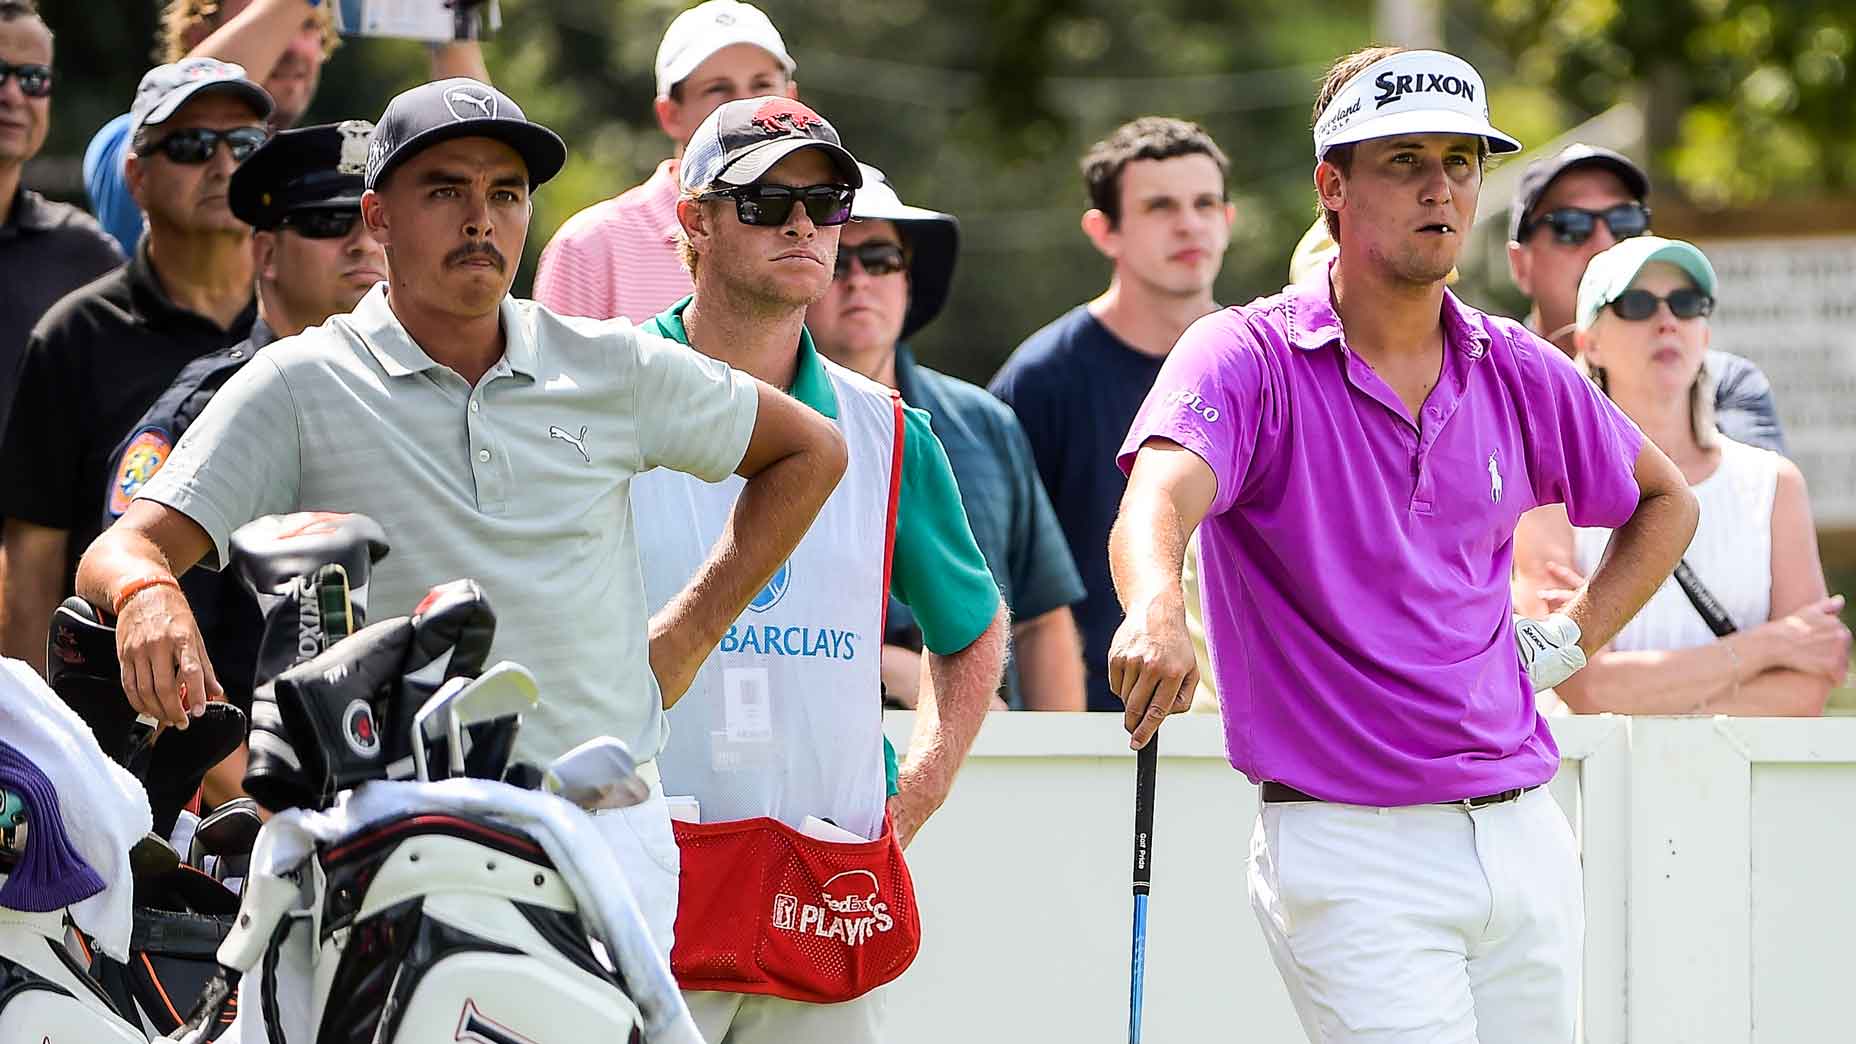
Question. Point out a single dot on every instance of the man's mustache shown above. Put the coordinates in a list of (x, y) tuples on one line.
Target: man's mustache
[(465, 252)]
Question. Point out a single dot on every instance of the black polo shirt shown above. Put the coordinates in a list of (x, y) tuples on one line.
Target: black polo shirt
[(94, 364), (47, 250)]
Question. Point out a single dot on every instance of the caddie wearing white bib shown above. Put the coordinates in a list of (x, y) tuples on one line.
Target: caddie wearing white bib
[(779, 740)]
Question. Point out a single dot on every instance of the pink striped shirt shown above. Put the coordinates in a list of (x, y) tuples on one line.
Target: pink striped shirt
[(618, 257)]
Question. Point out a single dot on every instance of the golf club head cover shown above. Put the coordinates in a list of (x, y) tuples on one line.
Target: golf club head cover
[(316, 728), (80, 664), (180, 759), (285, 561), (452, 630)]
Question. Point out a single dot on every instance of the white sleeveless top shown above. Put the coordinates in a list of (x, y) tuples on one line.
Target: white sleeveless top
[(1731, 554), (785, 718)]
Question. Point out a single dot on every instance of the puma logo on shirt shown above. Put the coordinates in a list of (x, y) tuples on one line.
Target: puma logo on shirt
[(579, 441)]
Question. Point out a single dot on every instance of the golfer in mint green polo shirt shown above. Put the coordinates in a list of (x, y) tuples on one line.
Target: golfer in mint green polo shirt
[(784, 719)]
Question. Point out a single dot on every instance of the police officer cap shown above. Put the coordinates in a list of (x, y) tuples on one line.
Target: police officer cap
[(319, 167)]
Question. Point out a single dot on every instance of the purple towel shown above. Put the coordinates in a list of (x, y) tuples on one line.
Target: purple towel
[(50, 874)]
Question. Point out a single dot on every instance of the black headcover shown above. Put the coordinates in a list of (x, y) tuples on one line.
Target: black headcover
[(297, 567), (316, 728), (453, 628), (82, 668)]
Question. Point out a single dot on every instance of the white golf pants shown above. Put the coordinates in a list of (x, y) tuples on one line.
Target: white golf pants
[(1429, 923), (641, 839)]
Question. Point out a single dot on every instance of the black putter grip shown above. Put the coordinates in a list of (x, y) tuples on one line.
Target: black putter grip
[(1146, 762)]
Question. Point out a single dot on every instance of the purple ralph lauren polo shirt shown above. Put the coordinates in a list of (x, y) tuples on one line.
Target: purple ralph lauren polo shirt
[(1356, 564)]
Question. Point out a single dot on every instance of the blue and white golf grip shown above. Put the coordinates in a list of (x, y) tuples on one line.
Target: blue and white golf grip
[(1145, 764)]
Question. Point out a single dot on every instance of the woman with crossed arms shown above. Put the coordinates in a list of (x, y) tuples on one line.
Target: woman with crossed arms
[(1642, 328)]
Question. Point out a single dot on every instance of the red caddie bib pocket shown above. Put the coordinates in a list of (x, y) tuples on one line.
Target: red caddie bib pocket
[(765, 909)]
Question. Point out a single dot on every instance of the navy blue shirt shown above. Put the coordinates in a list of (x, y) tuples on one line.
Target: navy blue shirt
[(1076, 388), (1006, 505), (227, 613)]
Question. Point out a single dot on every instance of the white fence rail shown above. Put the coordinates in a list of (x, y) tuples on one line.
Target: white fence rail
[(1719, 859)]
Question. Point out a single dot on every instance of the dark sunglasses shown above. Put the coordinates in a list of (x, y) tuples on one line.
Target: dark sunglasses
[(35, 81), (1572, 226), (321, 223), (197, 144), (1686, 303), (768, 206), (878, 259)]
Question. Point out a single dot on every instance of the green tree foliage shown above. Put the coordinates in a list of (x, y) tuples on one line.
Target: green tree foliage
[(983, 107)]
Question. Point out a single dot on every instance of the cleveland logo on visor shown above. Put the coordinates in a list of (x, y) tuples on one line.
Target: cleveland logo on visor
[(782, 116)]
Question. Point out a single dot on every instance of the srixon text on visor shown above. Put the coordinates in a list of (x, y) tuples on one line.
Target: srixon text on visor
[(1393, 86)]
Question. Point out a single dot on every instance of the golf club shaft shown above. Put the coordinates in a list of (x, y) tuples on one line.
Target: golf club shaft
[(1146, 764)]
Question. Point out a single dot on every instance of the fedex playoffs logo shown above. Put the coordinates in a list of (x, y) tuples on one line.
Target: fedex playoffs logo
[(1191, 400), (848, 910)]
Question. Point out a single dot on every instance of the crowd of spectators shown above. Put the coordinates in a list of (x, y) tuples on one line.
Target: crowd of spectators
[(171, 277)]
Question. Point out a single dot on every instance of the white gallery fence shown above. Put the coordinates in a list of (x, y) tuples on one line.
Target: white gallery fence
[(1719, 860)]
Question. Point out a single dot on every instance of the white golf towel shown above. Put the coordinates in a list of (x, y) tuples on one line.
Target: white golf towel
[(105, 809)]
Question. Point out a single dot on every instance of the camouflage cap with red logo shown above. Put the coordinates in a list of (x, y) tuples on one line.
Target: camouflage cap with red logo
[(741, 141)]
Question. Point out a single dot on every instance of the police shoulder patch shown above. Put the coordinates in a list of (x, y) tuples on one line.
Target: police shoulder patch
[(147, 450)]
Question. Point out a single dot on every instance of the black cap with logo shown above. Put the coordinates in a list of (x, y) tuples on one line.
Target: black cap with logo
[(1540, 174), (304, 169), (460, 107)]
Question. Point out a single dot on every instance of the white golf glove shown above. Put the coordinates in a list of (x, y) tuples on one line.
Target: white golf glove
[(1549, 649)]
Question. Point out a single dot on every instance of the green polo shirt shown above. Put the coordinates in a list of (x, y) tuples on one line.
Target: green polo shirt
[(937, 569)]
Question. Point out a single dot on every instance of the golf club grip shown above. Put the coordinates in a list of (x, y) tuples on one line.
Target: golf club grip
[(1146, 762)]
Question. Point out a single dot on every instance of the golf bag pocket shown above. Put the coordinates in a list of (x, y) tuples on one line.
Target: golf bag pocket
[(438, 926), (39, 1010), (762, 908)]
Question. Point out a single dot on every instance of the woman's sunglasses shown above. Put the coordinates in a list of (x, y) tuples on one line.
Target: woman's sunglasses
[(1637, 305), (1572, 226), (878, 259), (768, 206), (35, 81), (321, 222), (197, 144)]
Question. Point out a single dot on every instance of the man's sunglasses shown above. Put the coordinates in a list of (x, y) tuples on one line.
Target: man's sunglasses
[(197, 144), (1686, 303), (1572, 226), (35, 81), (321, 222), (768, 206), (878, 259)]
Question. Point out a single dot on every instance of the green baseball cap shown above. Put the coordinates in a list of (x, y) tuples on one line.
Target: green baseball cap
[(1611, 272)]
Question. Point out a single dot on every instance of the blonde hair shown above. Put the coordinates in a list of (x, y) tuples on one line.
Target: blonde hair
[(1700, 400), (686, 251), (180, 19)]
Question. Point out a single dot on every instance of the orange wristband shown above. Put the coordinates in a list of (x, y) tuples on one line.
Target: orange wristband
[(136, 587)]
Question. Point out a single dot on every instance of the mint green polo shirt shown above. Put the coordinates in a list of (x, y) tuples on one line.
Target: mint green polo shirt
[(937, 569)]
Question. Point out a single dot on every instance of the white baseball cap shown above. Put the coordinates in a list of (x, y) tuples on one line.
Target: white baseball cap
[(707, 28), (1412, 92)]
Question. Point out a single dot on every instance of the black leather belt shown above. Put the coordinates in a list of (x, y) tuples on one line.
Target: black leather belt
[(1278, 793)]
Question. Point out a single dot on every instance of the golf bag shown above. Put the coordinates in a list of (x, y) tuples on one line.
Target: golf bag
[(181, 914), (381, 910), (45, 993)]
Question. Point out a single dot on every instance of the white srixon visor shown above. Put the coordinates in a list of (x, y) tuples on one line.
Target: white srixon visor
[(1412, 92)]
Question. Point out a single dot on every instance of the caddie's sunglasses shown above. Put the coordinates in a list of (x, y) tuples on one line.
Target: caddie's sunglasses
[(197, 144), (321, 222), (35, 81), (1572, 226), (768, 206), (1686, 303), (878, 259)]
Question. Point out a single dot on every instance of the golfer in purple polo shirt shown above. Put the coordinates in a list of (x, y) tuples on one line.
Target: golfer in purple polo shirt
[(1355, 452)]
